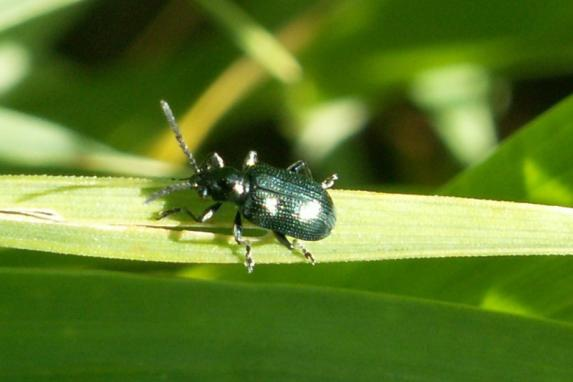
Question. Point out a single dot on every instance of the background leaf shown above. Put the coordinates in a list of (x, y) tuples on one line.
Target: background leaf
[(30, 141), (94, 325)]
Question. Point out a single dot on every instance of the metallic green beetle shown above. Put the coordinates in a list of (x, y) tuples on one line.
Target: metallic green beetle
[(286, 201)]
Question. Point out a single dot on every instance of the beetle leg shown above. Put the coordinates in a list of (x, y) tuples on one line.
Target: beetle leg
[(329, 182), (165, 213), (300, 167), (294, 245), (238, 233), (215, 161), (250, 160), (205, 215)]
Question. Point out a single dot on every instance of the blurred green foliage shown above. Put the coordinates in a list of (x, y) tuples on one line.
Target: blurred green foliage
[(393, 95)]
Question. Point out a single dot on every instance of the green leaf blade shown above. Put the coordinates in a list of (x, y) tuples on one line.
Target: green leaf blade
[(61, 325), (107, 217), (532, 165)]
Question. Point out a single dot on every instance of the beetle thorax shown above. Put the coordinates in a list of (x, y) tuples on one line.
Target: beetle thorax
[(222, 184)]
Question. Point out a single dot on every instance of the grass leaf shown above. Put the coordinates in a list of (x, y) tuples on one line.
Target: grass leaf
[(13, 13), (34, 142), (257, 42), (107, 217), (94, 325)]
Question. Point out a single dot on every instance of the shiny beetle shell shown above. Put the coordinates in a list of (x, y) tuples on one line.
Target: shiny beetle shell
[(288, 203)]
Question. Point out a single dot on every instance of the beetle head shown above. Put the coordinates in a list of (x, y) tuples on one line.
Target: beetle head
[(221, 184)]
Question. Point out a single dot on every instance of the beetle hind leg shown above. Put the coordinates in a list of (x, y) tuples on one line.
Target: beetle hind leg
[(293, 246), (300, 167), (250, 160), (238, 234), (329, 182)]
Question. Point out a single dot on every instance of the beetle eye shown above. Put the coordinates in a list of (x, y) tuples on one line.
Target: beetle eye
[(226, 184)]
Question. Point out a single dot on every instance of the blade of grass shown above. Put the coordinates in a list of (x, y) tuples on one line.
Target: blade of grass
[(386, 50), (458, 99), (532, 165), (31, 141), (64, 325), (257, 42), (13, 13), (234, 84), (107, 217)]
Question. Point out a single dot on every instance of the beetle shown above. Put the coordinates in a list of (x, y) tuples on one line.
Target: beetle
[(286, 201)]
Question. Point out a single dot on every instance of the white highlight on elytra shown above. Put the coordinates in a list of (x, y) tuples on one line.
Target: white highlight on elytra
[(309, 210), (271, 205)]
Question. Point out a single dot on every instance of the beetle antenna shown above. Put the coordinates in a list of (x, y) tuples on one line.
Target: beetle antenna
[(175, 128), (170, 189)]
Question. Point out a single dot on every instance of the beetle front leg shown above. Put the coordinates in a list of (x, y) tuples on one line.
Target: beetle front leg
[(205, 215), (300, 167), (294, 245), (214, 161), (238, 234)]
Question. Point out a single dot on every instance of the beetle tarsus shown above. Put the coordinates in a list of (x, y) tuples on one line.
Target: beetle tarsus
[(238, 234), (309, 257), (329, 182), (306, 253), (249, 261), (294, 246)]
